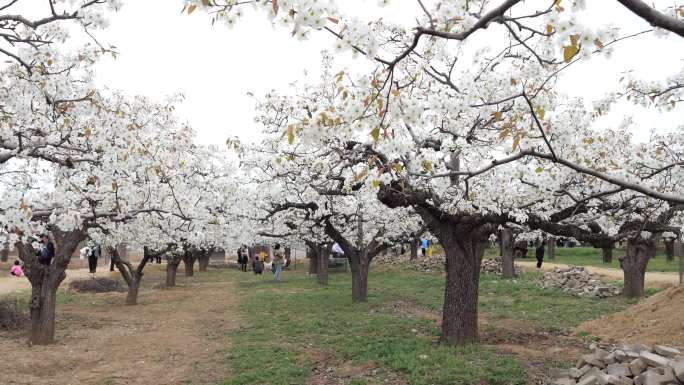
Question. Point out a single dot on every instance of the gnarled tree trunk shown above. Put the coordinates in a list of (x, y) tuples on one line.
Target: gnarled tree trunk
[(359, 268), (189, 258), (322, 265), (45, 281), (203, 257), (463, 260), (171, 271), (638, 253), (507, 256)]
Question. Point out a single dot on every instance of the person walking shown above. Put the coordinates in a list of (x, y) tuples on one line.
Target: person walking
[(539, 253), (429, 249), (278, 261)]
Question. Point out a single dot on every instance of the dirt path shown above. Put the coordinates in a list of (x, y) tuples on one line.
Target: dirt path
[(173, 336), (656, 280), (9, 284)]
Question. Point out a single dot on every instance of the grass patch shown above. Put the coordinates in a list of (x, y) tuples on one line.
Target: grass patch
[(589, 256), (287, 328)]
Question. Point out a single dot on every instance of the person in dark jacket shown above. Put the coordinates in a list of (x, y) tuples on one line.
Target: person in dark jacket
[(539, 253), (93, 255), (47, 250), (257, 266)]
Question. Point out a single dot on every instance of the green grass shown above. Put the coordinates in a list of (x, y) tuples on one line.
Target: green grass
[(285, 330), (589, 256)]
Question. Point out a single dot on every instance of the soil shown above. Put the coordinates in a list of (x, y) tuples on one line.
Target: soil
[(10, 284), (655, 280), (658, 319), (171, 337)]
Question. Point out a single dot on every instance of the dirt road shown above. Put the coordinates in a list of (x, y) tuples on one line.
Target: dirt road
[(10, 284), (656, 280), (175, 336)]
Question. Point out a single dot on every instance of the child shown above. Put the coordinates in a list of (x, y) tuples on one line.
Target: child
[(429, 250), (257, 266), (16, 270)]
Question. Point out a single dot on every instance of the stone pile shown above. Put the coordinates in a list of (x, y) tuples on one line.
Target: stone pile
[(435, 263), (495, 266), (577, 281), (627, 365)]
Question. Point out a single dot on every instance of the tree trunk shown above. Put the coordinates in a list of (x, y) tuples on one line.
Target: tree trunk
[(42, 309), (459, 318), (322, 265), (359, 270), (414, 249), (133, 288), (4, 254), (508, 263), (669, 249), (551, 247), (312, 255), (171, 270), (607, 253), (637, 255), (203, 262), (45, 281)]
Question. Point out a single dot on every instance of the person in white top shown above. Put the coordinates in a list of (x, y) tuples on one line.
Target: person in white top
[(337, 250)]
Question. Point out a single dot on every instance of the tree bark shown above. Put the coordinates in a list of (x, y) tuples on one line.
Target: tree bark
[(45, 281), (508, 263), (551, 247), (203, 260), (4, 254), (133, 288), (171, 270), (459, 318), (322, 265), (414, 249), (189, 263), (607, 253), (312, 256), (669, 249), (634, 262), (359, 269)]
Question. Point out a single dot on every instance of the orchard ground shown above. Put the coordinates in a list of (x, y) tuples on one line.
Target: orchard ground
[(228, 327)]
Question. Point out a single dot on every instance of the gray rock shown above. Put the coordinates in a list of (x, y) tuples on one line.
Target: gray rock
[(618, 370), (666, 351), (652, 359), (678, 368), (637, 366)]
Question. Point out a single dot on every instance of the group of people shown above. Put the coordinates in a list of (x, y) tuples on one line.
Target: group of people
[(426, 247), (258, 261)]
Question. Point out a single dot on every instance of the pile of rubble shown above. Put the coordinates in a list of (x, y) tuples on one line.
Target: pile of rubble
[(495, 266), (627, 365), (577, 281), (434, 263)]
